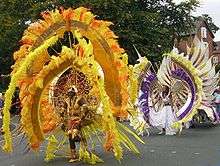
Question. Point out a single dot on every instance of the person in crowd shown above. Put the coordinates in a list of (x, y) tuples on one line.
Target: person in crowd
[(167, 115), (217, 100), (1, 105), (77, 115), (1, 109)]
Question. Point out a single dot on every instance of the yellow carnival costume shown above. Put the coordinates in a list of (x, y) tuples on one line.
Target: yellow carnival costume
[(70, 48)]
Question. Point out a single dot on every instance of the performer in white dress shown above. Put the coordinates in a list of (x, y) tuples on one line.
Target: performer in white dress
[(191, 78), (167, 115)]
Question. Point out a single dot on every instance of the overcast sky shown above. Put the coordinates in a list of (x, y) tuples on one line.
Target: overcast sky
[(211, 7)]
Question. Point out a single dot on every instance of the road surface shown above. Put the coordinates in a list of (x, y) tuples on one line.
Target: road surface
[(195, 147)]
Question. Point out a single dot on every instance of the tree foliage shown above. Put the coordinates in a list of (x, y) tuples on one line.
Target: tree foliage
[(150, 25)]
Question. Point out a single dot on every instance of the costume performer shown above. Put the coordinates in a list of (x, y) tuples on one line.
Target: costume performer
[(167, 113), (191, 80), (72, 77)]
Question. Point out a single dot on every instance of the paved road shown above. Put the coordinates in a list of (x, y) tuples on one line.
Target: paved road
[(195, 147)]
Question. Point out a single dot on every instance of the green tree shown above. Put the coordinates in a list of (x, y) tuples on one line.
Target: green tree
[(150, 25)]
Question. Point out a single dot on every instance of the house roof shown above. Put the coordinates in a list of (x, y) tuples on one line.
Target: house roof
[(217, 43), (198, 24), (216, 52), (217, 46)]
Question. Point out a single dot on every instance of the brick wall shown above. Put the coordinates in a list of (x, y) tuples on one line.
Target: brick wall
[(182, 44), (188, 39), (208, 39)]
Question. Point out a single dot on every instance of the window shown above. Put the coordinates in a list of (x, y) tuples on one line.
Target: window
[(215, 59), (203, 32), (206, 44), (205, 47)]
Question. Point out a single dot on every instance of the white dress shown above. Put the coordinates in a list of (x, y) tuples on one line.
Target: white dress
[(163, 118)]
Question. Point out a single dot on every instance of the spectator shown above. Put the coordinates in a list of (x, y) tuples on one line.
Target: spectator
[(1, 109), (1, 104), (217, 100)]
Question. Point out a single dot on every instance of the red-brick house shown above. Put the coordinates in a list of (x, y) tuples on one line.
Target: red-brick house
[(204, 34), (216, 53)]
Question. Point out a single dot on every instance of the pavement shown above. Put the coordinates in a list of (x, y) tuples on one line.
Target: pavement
[(194, 147)]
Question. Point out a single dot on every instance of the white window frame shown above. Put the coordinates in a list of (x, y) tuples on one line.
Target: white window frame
[(215, 60), (203, 32)]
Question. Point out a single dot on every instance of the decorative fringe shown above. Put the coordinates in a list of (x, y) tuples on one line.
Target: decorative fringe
[(135, 72), (88, 157), (12, 86), (197, 81), (35, 41), (51, 148)]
